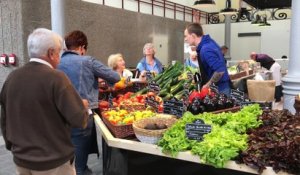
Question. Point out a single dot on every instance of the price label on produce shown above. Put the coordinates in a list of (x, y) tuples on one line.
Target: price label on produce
[(150, 101), (174, 107), (197, 129), (153, 87), (149, 76), (237, 95)]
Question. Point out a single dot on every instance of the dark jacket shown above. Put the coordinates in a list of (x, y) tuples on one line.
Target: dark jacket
[(212, 60), (38, 108), (265, 60)]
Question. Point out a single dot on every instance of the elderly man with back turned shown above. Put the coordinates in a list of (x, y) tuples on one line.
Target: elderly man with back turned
[(39, 106)]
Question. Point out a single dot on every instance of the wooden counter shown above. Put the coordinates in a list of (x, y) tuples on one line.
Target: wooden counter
[(155, 150)]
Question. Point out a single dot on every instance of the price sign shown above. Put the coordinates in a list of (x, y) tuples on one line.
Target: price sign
[(190, 75), (197, 129), (149, 76), (174, 107), (237, 95), (153, 87), (214, 88), (150, 101), (110, 100)]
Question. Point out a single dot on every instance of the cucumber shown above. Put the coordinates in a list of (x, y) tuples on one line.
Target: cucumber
[(177, 87)]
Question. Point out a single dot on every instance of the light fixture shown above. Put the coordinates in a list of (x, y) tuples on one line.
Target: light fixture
[(228, 10), (257, 20), (264, 22), (203, 3)]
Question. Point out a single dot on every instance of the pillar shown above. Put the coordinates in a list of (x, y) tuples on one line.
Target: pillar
[(58, 16), (291, 82)]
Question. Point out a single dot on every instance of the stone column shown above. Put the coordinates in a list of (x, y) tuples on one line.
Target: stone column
[(58, 16), (227, 35), (291, 82)]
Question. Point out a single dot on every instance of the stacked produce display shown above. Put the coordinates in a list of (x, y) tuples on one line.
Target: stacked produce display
[(227, 137), (248, 135)]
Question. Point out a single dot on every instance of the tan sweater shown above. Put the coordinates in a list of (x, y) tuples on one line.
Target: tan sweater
[(38, 108)]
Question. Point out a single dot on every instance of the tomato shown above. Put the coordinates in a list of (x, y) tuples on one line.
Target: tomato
[(127, 95), (204, 92), (193, 95), (149, 94), (103, 104)]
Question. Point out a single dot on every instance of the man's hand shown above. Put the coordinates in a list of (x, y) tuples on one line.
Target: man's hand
[(85, 103)]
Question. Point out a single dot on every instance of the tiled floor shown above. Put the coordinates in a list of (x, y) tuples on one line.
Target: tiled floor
[(7, 167)]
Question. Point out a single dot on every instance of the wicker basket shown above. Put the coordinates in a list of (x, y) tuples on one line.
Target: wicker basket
[(119, 131), (130, 108), (152, 136)]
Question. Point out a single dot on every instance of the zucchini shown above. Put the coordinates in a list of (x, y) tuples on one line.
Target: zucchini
[(177, 87)]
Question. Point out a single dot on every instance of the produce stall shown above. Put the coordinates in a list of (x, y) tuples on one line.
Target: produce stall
[(144, 148), (204, 137)]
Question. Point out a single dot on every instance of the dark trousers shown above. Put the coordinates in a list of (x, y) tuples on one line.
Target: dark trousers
[(85, 142)]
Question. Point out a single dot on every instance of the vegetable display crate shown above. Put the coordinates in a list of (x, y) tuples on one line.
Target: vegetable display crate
[(152, 136), (119, 131), (233, 109)]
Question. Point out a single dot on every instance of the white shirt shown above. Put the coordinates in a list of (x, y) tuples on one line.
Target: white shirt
[(276, 74), (40, 61), (127, 73)]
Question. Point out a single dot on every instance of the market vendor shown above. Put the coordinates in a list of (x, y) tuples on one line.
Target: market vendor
[(149, 62), (211, 61), (270, 64), (117, 63), (192, 60)]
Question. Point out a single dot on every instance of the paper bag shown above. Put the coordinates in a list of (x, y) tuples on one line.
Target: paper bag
[(261, 91)]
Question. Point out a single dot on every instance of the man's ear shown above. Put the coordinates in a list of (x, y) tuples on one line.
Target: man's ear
[(50, 53), (194, 35)]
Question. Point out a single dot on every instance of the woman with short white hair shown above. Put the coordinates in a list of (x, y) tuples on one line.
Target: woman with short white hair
[(117, 63), (149, 63)]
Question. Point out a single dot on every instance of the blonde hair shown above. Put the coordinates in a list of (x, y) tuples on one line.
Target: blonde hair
[(148, 45), (113, 59)]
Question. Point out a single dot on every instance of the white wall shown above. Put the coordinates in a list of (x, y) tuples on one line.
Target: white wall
[(274, 40)]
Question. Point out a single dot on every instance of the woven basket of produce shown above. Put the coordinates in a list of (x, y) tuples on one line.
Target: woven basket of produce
[(119, 131), (150, 130)]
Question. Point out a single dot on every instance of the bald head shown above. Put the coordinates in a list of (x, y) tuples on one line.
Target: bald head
[(253, 55)]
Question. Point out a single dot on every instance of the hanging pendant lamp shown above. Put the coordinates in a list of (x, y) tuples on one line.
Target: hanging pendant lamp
[(228, 10), (203, 3)]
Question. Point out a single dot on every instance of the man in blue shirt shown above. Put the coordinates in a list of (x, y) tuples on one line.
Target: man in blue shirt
[(211, 61)]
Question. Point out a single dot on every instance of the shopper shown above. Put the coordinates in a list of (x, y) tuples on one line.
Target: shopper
[(192, 60), (270, 64), (38, 107), (211, 61), (117, 63), (149, 62), (84, 72)]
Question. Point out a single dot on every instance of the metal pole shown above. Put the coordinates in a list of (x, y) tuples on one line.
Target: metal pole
[(227, 35), (58, 16), (291, 82)]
